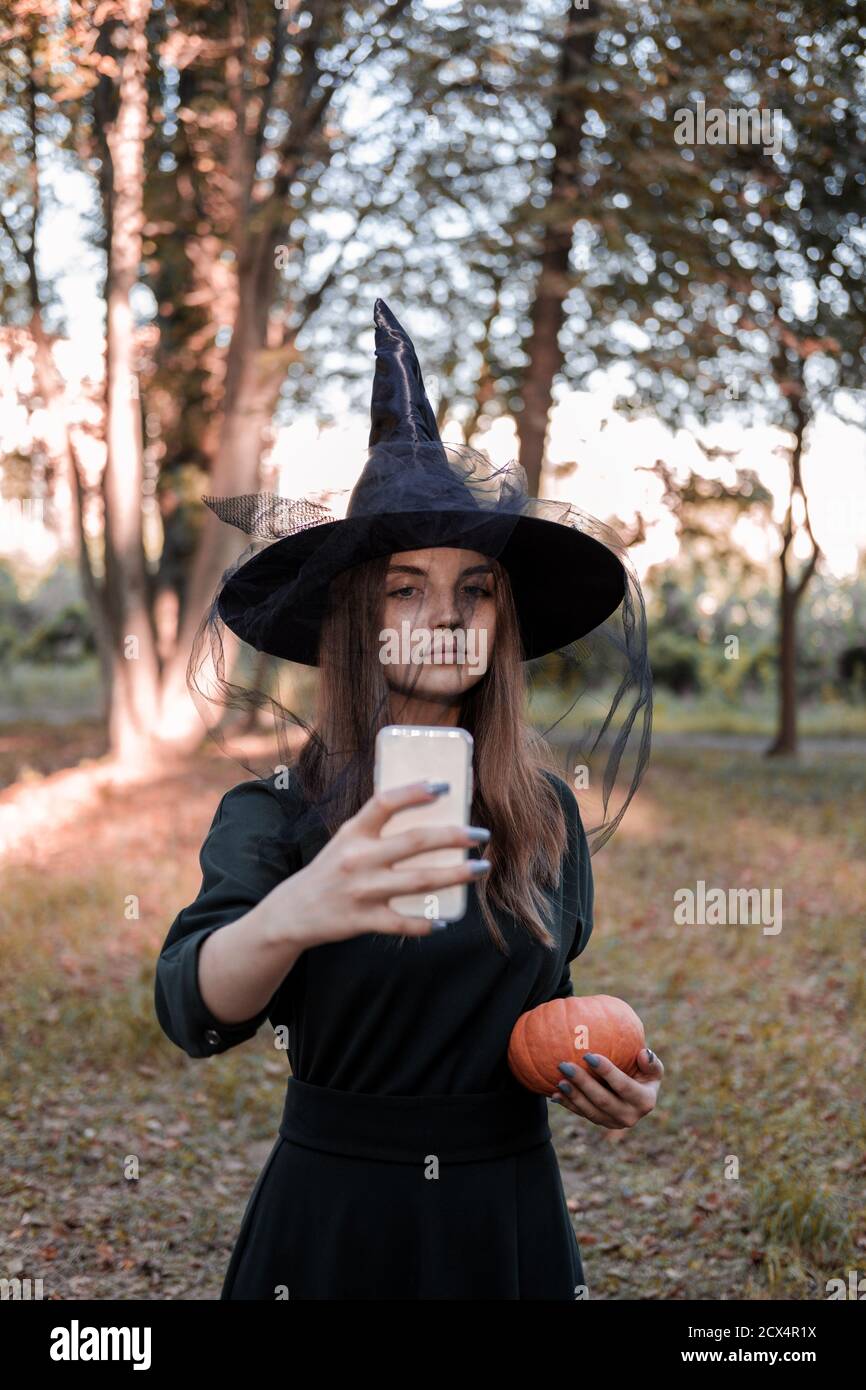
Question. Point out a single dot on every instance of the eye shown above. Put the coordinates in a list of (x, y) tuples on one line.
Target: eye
[(406, 590), (479, 590)]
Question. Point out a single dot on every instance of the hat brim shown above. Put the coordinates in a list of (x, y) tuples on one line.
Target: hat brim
[(565, 583)]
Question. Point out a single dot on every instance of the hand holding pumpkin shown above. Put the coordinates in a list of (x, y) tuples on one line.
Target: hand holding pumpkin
[(614, 1084), (615, 1100)]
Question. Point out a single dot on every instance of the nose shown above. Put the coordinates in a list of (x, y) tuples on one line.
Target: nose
[(447, 611)]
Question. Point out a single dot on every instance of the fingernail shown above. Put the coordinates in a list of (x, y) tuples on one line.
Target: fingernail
[(591, 1058), (564, 1086), (437, 924), (568, 1068), (479, 866), (650, 1054), (477, 834), (436, 788)]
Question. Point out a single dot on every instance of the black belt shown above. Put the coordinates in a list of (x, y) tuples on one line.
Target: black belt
[(411, 1129)]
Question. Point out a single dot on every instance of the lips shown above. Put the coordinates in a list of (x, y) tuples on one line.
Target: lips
[(441, 651)]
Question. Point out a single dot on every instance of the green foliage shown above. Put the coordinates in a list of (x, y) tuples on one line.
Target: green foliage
[(852, 671), (52, 628), (695, 606), (676, 661), (66, 637), (8, 642)]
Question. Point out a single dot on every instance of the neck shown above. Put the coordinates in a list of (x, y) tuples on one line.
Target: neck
[(412, 710)]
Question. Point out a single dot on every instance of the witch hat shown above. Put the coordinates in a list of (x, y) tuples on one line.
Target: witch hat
[(415, 492), (577, 597)]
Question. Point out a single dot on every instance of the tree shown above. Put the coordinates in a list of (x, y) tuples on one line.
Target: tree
[(120, 106), (257, 142), (750, 288), (553, 282), (31, 60)]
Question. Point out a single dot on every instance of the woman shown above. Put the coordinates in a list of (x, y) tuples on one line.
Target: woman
[(410, 1164)]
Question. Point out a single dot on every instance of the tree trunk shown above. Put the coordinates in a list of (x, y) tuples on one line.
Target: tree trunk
[(790, 594), (785, 742), (262, 344), (484, 386), (552, 287), (256, 374), (134, 676)]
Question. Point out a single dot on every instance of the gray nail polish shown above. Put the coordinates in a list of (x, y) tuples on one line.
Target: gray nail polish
[(437, 924), (565, 1088), (591, 1058), (477, 867), (437, 788), (477, 834)]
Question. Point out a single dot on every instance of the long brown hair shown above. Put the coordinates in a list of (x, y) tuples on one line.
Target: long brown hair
[(512, 797)]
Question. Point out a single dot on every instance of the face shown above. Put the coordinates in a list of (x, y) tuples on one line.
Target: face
[(439, 622)]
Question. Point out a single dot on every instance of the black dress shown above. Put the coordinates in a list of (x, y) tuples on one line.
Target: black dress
[(410, 1164)]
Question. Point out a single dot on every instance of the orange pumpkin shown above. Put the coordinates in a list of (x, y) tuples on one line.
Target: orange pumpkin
[(564, 1030)]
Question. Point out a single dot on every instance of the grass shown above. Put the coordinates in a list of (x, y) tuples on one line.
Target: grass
[(711, 713), (60, 694), (754, 1162), (127, 1165), (52, 692)]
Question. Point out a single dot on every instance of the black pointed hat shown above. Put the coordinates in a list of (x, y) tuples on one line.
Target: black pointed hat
[(415, 492)]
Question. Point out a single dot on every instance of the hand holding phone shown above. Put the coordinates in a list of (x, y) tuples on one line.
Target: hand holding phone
[(347, 888), (407, 753)]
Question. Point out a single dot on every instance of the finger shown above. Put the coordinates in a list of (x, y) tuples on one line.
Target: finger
[(391, 923), (605, 1070), (650, 1063), (389, 849), (579, 1105), (397, 882), (592, 1090), (376, 812)]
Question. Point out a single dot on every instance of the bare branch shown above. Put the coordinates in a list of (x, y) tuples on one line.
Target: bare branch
[(278, 48)]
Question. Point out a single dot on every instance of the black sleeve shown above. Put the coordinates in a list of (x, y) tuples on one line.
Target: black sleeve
[(247, 852), (585, 892), (579, 897)]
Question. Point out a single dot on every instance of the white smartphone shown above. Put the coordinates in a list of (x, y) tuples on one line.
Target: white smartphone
[(420, 753)]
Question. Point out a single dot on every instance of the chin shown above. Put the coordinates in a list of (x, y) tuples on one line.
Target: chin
[(435, 682)]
